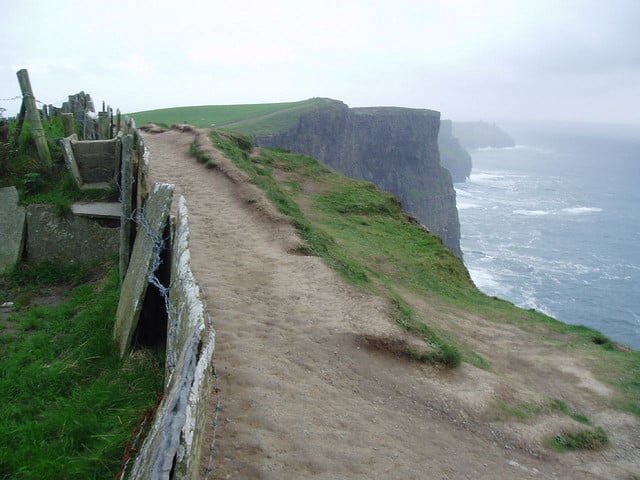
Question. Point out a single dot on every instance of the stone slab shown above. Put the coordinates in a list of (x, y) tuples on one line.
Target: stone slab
[(153, 220), (126, 197), (12, 229), (67, 239), (173, 448), (97, 209), (96, 160), (70, 159), (96, 186)]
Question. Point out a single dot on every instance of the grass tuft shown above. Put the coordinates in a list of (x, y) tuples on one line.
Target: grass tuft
[(564, 408), (581, 440)]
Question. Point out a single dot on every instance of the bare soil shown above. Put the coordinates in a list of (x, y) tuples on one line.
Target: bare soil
[(310, 381)]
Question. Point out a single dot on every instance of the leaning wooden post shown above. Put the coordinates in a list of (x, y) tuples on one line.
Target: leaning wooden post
[(67, 124), (33, 117)]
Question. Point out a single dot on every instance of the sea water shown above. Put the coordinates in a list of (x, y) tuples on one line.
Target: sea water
[(554, 224)]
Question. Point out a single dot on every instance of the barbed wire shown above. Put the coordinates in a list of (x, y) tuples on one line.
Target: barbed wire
[(20, 97)]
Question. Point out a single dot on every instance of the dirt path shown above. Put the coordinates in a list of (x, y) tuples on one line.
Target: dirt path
[(304, 395)]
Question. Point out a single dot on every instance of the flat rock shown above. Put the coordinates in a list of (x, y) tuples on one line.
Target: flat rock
[(97, 209), (154, 219), (12, 229)]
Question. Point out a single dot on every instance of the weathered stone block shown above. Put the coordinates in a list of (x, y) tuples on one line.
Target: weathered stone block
[(67, 239), (153, 220), (12, 229), (96, 160)]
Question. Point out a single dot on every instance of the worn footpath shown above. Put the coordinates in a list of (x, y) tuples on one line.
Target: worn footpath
[(304, 395)]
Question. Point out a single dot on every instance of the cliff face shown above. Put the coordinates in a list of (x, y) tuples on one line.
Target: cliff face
[(395, 148), (452, 156), (481, 134)]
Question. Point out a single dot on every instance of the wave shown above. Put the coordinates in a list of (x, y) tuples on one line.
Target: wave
[(581, 210), (464, 205), (484, 280), (480, 176), (517, 147), (463, 193), (531, 213)]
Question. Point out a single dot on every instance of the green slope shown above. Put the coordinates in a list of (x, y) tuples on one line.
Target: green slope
[(249, 119)]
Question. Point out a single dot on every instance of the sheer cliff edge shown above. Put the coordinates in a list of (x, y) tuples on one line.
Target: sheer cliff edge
[(395, 148)]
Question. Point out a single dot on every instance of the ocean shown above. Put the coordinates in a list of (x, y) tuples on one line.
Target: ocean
[(554, 224)]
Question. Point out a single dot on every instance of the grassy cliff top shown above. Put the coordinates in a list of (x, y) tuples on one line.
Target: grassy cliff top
[(250, 119)]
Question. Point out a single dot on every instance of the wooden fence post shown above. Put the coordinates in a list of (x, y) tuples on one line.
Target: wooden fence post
[(67, 123), (33, 117), (103, 126)]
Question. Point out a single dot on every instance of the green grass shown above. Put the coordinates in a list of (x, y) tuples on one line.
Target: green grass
[(521, 410), (526, 411), (28, 280), (593, 439), (205, 115), (68, 404), (248, 119), (564, 408)]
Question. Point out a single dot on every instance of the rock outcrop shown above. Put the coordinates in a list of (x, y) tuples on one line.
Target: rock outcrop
[(395, 148), (452, 156), (481, 134)]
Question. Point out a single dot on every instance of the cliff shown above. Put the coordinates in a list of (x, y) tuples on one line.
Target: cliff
[(395, 148), (452, 155), (481, 134)]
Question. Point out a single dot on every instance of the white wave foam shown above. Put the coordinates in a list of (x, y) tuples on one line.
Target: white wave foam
[(532, 213), (485, 176), (532, 302), (581, 210), (517, 147), (484, 280), (464, 205)]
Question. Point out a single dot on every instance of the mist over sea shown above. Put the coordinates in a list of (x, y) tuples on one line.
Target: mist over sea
[(554, 224)]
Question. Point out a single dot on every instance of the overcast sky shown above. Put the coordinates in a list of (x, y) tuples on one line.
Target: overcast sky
[(493, 60)]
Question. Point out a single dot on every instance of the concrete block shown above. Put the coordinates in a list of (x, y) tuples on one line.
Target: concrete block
[(12, 229), (153, 221), (68, 239)]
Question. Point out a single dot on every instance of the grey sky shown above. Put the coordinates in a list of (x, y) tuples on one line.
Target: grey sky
[(567, 60)]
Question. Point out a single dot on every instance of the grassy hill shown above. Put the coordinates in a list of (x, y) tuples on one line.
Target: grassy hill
[(248, 119)]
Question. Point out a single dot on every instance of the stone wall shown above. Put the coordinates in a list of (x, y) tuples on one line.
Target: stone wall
[(174, 445)]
